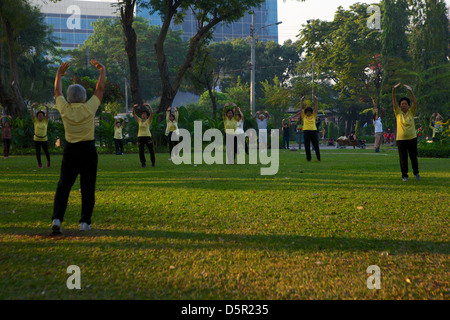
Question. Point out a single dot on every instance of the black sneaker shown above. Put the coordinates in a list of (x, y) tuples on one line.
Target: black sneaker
[(144, 165)]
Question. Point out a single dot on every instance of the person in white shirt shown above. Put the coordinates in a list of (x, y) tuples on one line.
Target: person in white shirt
[(378, 129), (240, 134), (262, 120)]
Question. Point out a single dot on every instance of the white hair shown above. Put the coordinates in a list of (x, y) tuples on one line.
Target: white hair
[(76, 93)]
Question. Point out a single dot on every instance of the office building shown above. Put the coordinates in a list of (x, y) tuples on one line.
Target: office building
[(72, 19), (265, 15)]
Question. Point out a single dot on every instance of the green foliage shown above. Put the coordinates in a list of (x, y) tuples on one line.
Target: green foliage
[(437, 149), (332, 131), (239, 93), (107, 45), (104, 132), (276, 100)]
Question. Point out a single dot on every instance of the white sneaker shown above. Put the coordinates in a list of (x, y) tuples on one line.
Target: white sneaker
[(405, 179), (84, 226), (56, 226)]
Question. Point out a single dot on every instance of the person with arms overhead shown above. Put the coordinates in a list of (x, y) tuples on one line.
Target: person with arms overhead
[(40, 122), (144, 134), (79, 155), (230, 126), (405, 112), (261, 121), (378, 129), (171, 127), (309, 128)]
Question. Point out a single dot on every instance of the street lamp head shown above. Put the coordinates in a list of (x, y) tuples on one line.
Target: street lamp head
[(279, 22)]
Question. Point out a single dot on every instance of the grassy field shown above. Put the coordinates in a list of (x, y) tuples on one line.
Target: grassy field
[(226, 232)]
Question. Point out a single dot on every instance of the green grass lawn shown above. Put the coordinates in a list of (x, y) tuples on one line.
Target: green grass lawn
[(226, 232)]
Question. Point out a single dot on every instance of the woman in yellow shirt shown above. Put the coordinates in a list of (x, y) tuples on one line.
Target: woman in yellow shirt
[(406, 131), (230, 125), (309, 129), (171, 127), (144, 134), (40, 122), (118, 137)]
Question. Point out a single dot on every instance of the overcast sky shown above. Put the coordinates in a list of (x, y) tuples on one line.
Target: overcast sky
[(295, 13)]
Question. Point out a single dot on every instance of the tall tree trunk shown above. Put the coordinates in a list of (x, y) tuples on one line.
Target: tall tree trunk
[(169, 89), (11, 97), (126, 13)]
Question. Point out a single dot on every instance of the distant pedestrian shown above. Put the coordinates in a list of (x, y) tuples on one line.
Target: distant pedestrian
[(6, 134), (286, 128), (378, 129)]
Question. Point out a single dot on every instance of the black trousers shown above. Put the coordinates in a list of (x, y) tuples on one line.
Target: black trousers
[(6, 147), (142, 142), (405, 148), (311, 136), (44, 145), (78, 159), (171, 143), (118, 144)]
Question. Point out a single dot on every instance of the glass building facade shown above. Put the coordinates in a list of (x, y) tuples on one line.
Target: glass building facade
[(265, 15), (72, 19)]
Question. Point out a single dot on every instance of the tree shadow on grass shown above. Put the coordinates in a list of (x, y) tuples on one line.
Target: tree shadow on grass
[(159, 239)]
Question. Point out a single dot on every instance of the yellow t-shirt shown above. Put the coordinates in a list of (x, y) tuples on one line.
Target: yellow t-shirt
[(78, 118), (40, 129), (406, 126), (144, 128), (230, 125), (309, 123), (171, 125), (118, 132)]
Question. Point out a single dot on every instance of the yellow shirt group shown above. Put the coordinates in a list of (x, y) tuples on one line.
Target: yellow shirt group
[(78, 118), (40, 129), (309, 123), (144, 128), (406, 126)]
